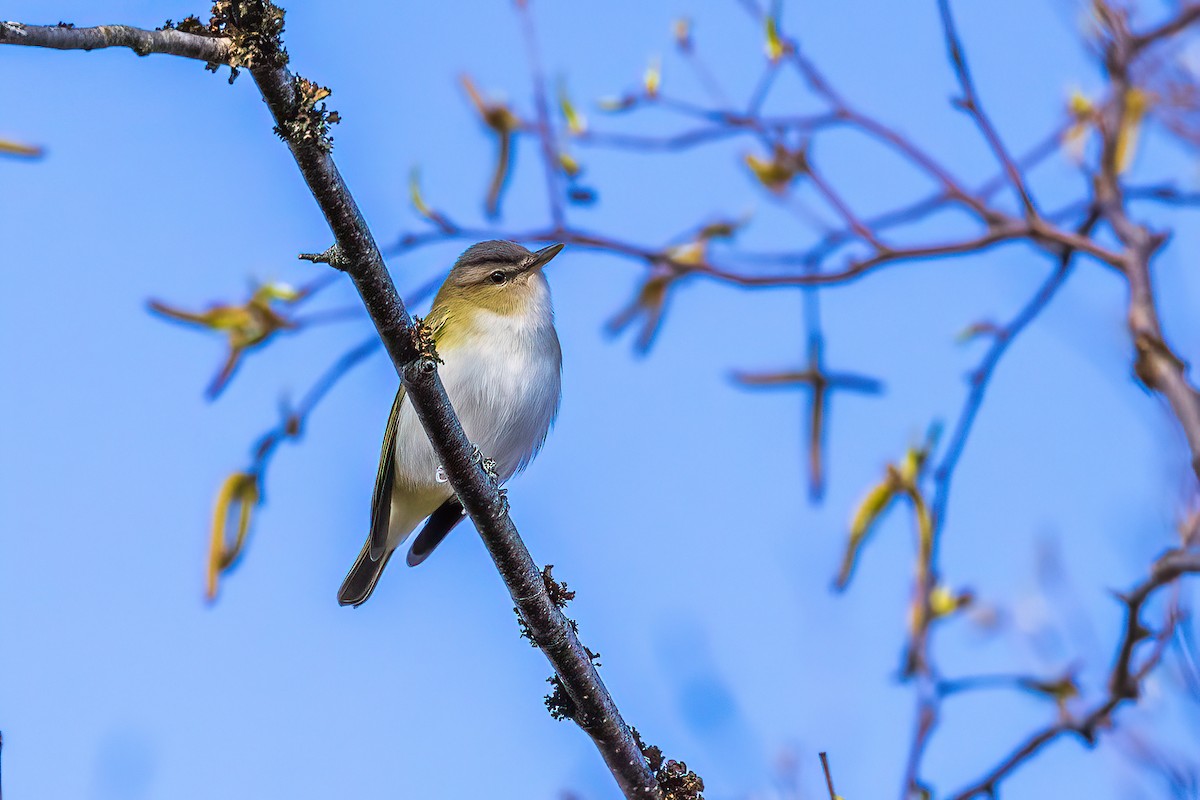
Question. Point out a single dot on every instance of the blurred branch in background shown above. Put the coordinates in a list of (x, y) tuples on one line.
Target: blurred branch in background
[(20, 149), (865, 244), (229, 534), (245, 490), (249, 325), (1125, 678), (833, 795)]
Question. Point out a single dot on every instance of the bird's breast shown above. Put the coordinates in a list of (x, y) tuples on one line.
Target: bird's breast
[(503, 377)]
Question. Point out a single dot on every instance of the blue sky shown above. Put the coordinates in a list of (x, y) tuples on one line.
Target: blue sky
[(671, 500)]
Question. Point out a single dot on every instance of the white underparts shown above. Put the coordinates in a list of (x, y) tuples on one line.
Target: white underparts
[(504, 381)]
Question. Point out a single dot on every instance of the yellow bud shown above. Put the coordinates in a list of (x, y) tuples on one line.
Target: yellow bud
[(231, 318), (1060, 690), (865, 516), (774, 46), (910, 465), (778, 172), (576, 122), (649, 304), (723, 229), (692, 253), (277, 291), (414, 193), (568, 163), (943, 601), (1137, 103), (916, 457), (1080, 105), (652, 79), (237, 497)]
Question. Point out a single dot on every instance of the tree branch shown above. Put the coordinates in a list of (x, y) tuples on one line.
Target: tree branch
[(212, 50), (1124, 680), (357, 254), (969, 102), (1188, 15), (1155, 363), (980, 378)]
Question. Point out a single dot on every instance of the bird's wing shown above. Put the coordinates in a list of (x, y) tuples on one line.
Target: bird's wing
[(440, 523), (381, 500)]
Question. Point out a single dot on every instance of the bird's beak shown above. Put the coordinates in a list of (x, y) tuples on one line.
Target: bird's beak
[(542, 257)]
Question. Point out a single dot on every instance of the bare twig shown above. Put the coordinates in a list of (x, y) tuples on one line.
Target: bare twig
[(721, 125), (820, 384), (981, 376), (1188, 15), (544, 128), (969, 102)]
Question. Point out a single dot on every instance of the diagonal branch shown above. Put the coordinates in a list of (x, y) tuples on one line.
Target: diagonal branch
[(356, 253)]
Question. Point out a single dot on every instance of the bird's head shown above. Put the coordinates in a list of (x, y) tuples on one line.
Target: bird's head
[(502, 277)]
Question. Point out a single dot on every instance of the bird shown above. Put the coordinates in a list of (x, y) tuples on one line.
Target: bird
[(492, 323)]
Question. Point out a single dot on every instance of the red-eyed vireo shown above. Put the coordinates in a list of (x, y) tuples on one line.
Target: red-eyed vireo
[(493, 326)]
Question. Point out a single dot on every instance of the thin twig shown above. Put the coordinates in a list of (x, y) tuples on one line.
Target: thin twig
[(828, 776), (1188, 15), (981, 376), (727, 125), (545, 128), (970, 103)]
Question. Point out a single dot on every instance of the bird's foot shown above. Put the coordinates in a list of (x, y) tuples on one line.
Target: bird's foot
[(492, 469), (489, 464)]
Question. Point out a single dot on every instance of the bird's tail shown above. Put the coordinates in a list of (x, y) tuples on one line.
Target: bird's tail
[(363, 576)]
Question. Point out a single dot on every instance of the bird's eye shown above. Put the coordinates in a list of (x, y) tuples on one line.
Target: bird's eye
[(498, 277)]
